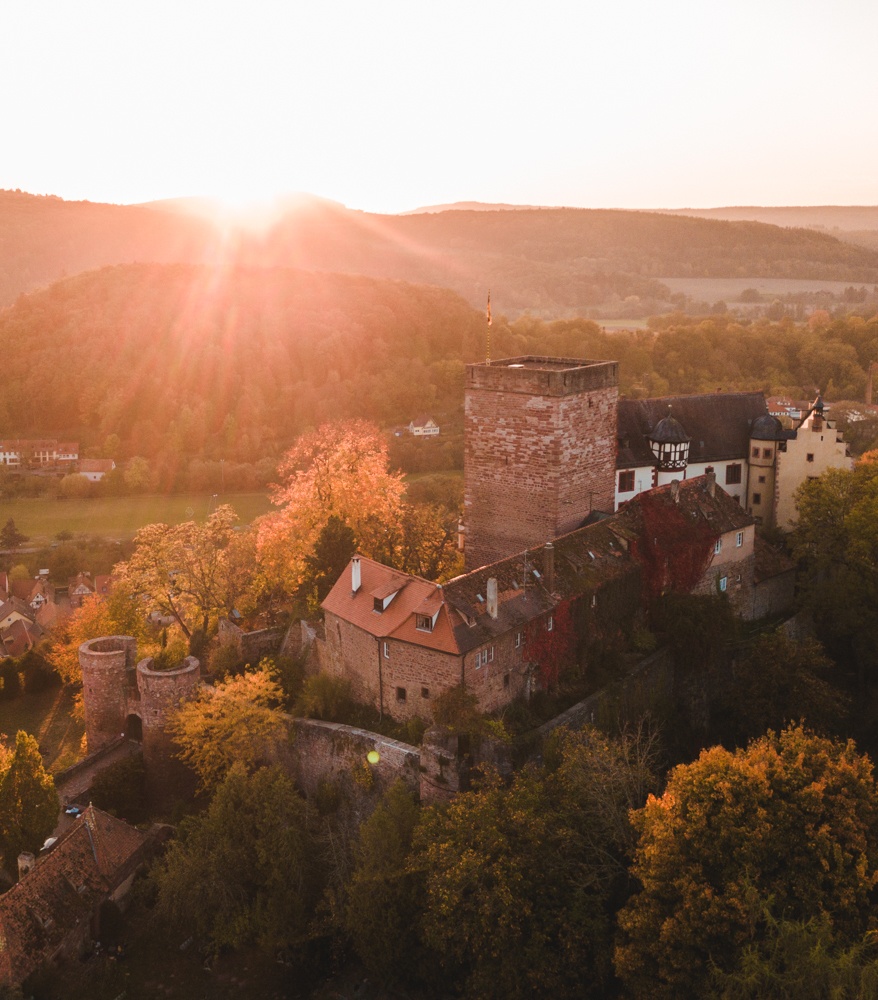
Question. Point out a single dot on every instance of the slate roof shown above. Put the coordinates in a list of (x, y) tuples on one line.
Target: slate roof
[(718, 424), (721, 512), (87, 864)]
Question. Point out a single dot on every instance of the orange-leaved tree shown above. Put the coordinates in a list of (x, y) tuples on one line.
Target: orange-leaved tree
[(341, 469)]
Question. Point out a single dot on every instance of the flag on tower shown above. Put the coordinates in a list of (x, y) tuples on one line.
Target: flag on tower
[(489, 307)]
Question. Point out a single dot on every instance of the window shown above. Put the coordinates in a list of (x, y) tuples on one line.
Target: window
[(766, 452), (518, 638), (717, 546), (626, 481), (386, 650), (506, 680), (550, 624), (762, 479), (756, 453), (423, 623), (425, 692), (484, 657), (400, 694), (377, 605), (739, 539), (723, 584), (757, 498), (810, 456), (733, 474)]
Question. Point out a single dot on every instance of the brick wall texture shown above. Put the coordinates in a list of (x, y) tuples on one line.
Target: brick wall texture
[(540, 449)]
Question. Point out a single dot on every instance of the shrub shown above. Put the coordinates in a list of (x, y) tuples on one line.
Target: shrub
[(324, 697)]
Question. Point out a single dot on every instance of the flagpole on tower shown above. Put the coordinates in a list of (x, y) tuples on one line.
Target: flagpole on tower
[(488, 346)]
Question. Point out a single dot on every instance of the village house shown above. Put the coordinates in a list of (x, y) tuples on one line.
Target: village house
[(94, 469), (54, 910), (18, 453), (423, 426)]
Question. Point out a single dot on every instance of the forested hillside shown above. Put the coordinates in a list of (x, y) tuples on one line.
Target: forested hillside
[(179, 361), (183, 363), (549, 262)]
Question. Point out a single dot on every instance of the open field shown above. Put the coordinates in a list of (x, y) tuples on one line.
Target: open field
[(120, 517), (729, 289), (48, 716)]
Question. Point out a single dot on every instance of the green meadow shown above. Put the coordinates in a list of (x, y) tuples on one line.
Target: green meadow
[(120, 517)]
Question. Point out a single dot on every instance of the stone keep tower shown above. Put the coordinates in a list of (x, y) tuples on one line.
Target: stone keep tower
[(540, 451)]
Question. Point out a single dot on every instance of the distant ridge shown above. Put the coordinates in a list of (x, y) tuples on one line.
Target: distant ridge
[(472, 206), (552, 262)]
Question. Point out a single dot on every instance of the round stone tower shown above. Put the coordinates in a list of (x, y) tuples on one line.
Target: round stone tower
[(107, 679), (161, 692)]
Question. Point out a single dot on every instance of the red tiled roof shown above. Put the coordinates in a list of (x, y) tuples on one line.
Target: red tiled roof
[(397, 619), (20, 636), (96, 465), (89, 861)]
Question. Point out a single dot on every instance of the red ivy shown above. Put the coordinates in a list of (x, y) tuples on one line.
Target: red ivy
[(551, 651), (674, 549)]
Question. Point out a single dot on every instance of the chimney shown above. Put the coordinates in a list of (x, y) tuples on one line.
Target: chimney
[(710, 483), (675, 490), (26, 861), (549, 566), (355, 574), (492, 596)]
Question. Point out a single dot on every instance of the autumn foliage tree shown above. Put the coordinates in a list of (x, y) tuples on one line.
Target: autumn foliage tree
[(190, 572), (28, 801), (338, 470), (791, 821), (236, 722)]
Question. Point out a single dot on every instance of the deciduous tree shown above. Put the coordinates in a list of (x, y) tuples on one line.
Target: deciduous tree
[(339, 470), (235, 722), (28, 801), (244, 872), (191, 572), (793, 820)]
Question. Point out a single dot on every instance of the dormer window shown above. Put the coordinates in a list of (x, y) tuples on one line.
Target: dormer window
[(377, 605), (423, 623)]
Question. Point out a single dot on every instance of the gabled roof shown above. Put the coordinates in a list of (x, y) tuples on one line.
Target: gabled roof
[(96, 465), (717, 423), (719, 511), (89, 862), (16, 604), (19, 637), (398, 618)]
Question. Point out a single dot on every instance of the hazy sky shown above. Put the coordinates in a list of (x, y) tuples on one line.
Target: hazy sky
[(390, 105)]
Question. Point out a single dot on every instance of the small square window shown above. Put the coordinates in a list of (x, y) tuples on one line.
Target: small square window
[(766, 452), (717, 546), (550, 624), (739, 539), (723, 583), (517, 639), (810, 456), (400, 694), (386, 650), (762, 479), (423, 623), (756, 453), (425, 692), (757, 498), (626, 481)]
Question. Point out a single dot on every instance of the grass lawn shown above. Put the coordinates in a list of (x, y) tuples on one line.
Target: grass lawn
[(48, 716), (120, 517)]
